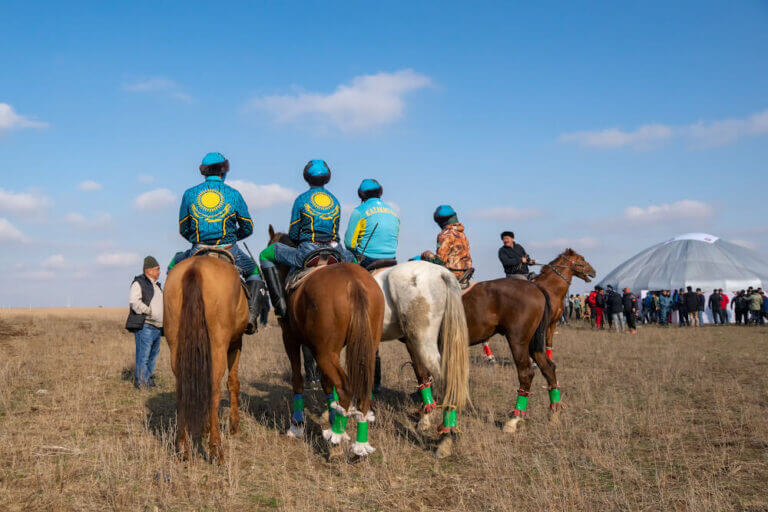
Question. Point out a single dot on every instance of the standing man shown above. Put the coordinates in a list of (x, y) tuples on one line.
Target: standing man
[(692, 306), (513, 257), (715, 301), (724, 307), (599, 306), (755, 301), (682, 309), (701, 305), (145, 321), (616, 309), (665, 303), (630, 310)]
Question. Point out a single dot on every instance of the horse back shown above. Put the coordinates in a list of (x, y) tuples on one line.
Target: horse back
[(502, 305)]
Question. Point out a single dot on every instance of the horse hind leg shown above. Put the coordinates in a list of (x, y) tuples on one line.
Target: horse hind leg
[(332, 370), (293, 350), (428, 407), (233, 385), (525, 375), (219, 363)]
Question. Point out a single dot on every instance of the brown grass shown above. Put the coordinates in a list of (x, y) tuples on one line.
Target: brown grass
[(665, 420)]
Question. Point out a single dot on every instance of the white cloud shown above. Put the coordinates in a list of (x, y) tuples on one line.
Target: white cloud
[(700, 134), (99, 220), (668, 212), (54, 261), (506, 214), (367, 102), (38, 275), (10, 120), (9, 232), (263, 196), (744, 243), (155, 199), (23, 202), (89, 185), (159, 85), (643, 137), (146, 178), (564, 243), (117, 259)]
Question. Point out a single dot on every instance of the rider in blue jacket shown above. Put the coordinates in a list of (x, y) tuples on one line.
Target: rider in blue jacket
[(314, 225), (373, 227), (215, 214)]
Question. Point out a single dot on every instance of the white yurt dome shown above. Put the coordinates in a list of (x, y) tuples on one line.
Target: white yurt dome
[(698, 260)]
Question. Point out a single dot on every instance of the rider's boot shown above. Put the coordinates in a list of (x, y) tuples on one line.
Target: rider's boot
[(276, 291), (258, 290)]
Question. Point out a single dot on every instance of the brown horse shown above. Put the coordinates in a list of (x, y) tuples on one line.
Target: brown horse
[(520, 311), (335, 306), (555, 279), (205, 315)]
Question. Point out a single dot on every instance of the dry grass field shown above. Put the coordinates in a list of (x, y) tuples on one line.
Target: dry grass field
[(665, 420)]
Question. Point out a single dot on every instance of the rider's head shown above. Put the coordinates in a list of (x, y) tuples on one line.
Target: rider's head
[(317, 173), (369, 188), (445, 215), (214, 164), (508, 237)]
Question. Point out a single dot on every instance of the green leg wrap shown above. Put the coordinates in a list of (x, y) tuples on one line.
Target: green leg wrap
[(268, 254), (554, 395), (339, 424), (298, 403), (522, 403), (449, 418), (335, 394), (256, 271), (426, 396), (362, 432)]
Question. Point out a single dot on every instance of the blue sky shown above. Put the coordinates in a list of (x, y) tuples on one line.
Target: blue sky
[(604, 127)]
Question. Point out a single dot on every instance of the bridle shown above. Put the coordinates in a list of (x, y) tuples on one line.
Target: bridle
[(579, 267)]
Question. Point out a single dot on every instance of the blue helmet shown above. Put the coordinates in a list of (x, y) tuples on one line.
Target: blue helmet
[(317, 173), (369, 188), (445, 215), (214, 164)]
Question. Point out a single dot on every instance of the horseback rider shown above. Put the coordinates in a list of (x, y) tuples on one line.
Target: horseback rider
[(314, 225), (513, 257), (373, 227), (452, 243), (214, 214)]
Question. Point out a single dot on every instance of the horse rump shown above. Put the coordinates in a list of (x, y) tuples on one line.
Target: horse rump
[(193, 358)]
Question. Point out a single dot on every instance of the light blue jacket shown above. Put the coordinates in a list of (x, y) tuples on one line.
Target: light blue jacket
[(373, 230)]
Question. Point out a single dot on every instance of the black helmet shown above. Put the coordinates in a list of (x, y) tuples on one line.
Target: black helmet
[(317, 173), (369, 188), (214, 164)]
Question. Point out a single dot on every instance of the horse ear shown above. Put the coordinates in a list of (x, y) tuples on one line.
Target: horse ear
[(271, 232), (570, 252)]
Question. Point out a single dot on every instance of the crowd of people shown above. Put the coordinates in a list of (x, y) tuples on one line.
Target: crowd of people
[(686, 307)]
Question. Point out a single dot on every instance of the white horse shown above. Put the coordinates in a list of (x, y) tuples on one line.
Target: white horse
[(424, 310)]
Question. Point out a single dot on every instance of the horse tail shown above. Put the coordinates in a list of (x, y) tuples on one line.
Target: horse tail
[(540, 336), (193, 357), (361, 345), (454, 343)]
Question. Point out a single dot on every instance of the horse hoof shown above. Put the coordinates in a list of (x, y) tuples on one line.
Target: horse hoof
[(333, 438), (425, 422), (217, 455), (362, 449), (445, 448), (296, 432), (512, 425), (234, 430)]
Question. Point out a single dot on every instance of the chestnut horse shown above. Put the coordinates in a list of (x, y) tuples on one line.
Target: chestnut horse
[(335, 306), (520, 311), (555, 279), (205, 315)]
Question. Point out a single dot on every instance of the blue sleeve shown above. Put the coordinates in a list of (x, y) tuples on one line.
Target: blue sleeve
[(244, 220), (185, 222), (350, 237), (295, 226)]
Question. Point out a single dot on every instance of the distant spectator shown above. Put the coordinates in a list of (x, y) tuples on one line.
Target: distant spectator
[(692, 305), (571, 300), (682, 308), (724, 307), (599, 306), (715, 305), (657, 307), (755, 301), (701, 306), (740, 306), (764, 311), (665, 302), (629, 303), (578, 306), (615, 309), (145, 320)]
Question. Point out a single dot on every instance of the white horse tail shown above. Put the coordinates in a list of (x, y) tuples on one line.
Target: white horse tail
[(454, 340)]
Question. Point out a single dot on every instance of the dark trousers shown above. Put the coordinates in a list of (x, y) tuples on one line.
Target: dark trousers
[(682, 314), (742, 317), (717, 316), (630, 316)]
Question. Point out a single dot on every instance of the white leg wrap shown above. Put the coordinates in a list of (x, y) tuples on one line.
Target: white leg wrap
[(369, 417), (296, 432), (340, 410), (362, 449), (335, 438)]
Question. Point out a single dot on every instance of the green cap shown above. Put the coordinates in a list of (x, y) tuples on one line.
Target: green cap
[(150, 262)]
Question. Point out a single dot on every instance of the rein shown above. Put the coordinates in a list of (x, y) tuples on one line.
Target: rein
[(554, 268)]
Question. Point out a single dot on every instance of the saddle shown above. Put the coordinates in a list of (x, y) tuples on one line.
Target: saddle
[(315, 260), (381, 264), (223, 255)]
